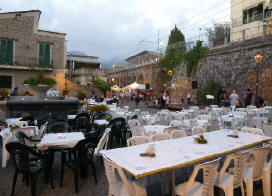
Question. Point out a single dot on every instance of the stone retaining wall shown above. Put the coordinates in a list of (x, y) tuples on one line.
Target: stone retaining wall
[(232, 66)]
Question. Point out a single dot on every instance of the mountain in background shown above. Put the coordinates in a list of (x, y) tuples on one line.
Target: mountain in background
[(77, 52)]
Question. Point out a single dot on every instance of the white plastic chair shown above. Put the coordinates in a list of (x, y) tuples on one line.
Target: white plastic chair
[(203, 117), (133, 122), (160, 137), (267, 129), (137, 131), (240, 109), (252, 130), (228, 181), (176, 123), (258, 122), (138, 140), (162, 119), (169, 130), (124, 187), (144, 113), (258, 170), (126, 108), (178, 134), (213, 106), (42, 129), (251, 107), (194, 188), (198, 130), (103, 142)]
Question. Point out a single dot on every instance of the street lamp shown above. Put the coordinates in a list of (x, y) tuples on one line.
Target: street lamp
[(258, 58), (170, 73), (112, 79), (65, 72)]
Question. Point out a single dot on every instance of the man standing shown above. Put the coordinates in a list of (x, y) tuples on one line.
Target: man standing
[(248, 97), (181, 98), (234, 100), (189, 98)]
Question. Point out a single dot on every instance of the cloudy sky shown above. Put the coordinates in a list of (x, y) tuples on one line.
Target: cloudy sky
[(116, 29)]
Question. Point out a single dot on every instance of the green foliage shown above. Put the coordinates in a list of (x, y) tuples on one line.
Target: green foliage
[(3, 93), (101, 84), (65, 92), (216, 35), (34, 81), (193, 56), (99, 108), (173, 56), (209, 88), (81, 95), (175, 36)]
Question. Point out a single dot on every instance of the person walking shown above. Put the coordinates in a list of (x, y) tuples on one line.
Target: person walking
[(189, 98), (234, 100), (15, 92), (248, 97), (181, 98)]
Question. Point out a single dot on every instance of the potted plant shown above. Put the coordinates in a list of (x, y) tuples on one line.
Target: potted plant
[(65, 92), (40, 84), (3, 93), (99, 108), (81, 95)]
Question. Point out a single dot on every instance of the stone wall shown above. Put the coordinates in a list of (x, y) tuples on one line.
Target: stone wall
[(233, 67)]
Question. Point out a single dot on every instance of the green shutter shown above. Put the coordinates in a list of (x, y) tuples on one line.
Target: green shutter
[(44, 55), (3, 51), (10, 52), (47, 54)]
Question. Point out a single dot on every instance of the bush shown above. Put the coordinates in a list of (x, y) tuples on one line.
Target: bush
[(209, 88), (99, 108), (81, 95), (3, 93), (34, 81), (65, 92)]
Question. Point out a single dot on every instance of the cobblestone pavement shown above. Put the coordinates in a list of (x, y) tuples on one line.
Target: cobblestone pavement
[(87, 187)]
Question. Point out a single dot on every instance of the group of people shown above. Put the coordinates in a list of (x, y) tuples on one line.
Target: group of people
[(234, 99), (188, 98)]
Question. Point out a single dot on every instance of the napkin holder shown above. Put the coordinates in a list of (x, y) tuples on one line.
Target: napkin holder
[(149, 152)]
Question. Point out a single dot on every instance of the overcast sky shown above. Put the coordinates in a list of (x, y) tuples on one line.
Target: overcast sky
[(113, 29)]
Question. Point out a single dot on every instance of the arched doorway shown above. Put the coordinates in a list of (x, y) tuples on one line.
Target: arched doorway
[(140, 79), (160, 82)]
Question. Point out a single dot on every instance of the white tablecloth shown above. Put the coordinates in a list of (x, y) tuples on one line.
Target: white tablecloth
[(62, 140), (179, 152), (200, 123), (7, 137), (237, 118), (101, 122), (71, 117)]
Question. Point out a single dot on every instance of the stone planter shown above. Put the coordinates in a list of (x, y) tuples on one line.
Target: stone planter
[(40, 90)]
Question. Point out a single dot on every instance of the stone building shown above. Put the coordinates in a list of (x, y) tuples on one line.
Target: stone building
[(26, 49), (250, 19), (80, 69)]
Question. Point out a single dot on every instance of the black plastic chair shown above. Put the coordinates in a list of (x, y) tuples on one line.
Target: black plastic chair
[(30, 120), (20, 154), (118, 131), (82, 123), (27, 140), (82, 157)]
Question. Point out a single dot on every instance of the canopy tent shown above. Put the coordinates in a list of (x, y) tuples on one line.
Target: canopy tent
[(115, 88), (135, 86)]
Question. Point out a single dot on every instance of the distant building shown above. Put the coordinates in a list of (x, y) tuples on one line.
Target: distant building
[(80, 69), (26, 49), (143, 58), (250, 19)]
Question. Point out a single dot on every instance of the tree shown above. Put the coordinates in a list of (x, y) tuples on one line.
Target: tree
[(216, 34), (175, 36), (193, 56), (173, 55), (101, 84)]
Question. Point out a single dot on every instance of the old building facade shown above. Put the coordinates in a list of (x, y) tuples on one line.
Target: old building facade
[(27, 50), (249, 19)]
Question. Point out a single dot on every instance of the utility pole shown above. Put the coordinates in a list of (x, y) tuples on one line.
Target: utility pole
[(158, 46)]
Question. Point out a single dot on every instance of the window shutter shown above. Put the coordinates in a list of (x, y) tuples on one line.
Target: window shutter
[(10, 52), (47, 54), (3, 51), (41, 54)]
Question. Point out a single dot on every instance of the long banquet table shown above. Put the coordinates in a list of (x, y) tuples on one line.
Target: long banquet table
[(180, 152)]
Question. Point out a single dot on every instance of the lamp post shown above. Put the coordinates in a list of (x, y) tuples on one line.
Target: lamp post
[(65, 72), (258, 58)]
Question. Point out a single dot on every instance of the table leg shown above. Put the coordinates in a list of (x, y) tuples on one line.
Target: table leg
[(173, 185)]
